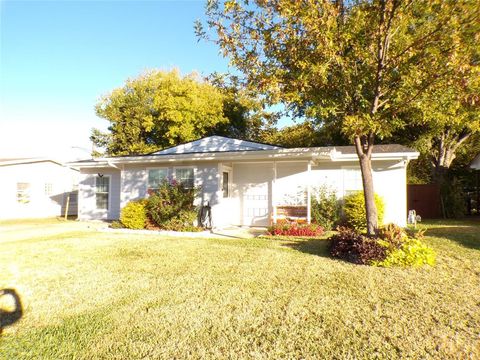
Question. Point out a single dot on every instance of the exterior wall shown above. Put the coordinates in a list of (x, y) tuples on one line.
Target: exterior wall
[(87, 209), (39, 204), (131, 184), (389, 181), (253, 187)]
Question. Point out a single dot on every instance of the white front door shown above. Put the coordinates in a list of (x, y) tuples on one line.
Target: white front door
[(256, 205), (254, 184)]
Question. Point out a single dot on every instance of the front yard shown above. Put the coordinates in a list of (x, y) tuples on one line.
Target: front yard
[(97, 295)]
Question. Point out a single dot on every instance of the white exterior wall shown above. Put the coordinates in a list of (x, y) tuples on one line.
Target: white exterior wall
[(38, 174), (389, 181), (131, 184), (254, 188), (87, 209)]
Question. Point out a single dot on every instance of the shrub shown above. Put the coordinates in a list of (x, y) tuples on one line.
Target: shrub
[(392, 247), (354, 210), (295, 229), (182, 222), (117, 225), (350, 245), (325, 208), (172, 207), (134, 215), (412, 252)]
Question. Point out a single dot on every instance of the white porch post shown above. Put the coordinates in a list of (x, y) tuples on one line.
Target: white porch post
[(309, 195), (274, 197)]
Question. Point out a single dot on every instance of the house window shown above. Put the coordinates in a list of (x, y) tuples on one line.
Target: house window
[(352, 180), (102, 190), (185, 176), (225, 189), (48, 189), (23, 193), (155, 178)]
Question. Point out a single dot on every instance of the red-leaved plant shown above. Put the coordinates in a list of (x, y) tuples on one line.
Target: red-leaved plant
[(294, 229)]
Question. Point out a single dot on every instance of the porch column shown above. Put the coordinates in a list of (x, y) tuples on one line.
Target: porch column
[(274, 197), (309, 195)]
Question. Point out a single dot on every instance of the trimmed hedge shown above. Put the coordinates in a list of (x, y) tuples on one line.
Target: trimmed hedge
[(134, 215), (354, 212)]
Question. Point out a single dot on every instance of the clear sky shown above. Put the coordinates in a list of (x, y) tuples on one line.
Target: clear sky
[(58, 57)]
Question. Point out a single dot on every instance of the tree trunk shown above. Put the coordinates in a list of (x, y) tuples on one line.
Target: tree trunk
[(446, 153), (364, 147)]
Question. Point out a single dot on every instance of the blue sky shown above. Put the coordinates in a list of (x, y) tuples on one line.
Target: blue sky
[(58, 57)]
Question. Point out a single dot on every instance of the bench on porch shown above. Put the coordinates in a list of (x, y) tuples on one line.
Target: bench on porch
[(296, 213)]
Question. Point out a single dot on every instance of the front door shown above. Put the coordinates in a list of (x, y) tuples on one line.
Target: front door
[(254, 182)]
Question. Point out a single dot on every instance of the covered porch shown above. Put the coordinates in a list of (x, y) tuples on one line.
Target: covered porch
[(264, 193)]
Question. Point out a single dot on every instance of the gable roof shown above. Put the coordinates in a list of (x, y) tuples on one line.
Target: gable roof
[(476, 163), (21, 161), (215, 144)]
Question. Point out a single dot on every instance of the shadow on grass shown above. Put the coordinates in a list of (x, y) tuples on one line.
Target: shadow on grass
[(317, 247), (467, 236), (10, 317)]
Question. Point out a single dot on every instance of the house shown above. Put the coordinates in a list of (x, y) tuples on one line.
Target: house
[(246, 183), (476, 163), (35, 188)]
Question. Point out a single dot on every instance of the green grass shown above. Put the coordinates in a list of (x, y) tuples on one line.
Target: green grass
[(108, 296)]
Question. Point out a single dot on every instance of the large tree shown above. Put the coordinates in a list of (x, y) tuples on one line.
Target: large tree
[(354, 63), (159, 109)]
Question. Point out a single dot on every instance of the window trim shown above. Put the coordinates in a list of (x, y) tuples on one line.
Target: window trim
[(156, 168), (194, 168), (350, 167), (24, 192), (109, 198)]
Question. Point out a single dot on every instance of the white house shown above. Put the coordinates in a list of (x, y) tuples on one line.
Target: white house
[(246, 183), (35, 188), (476, 163)]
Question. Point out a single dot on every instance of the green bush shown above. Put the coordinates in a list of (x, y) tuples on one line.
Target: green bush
[(183, 221), (325, 208), (392, 247), (354, 210), (134, 215), (172, 207), (117, 225), (412, 253)]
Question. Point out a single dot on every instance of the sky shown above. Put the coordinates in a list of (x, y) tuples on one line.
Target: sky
[(58, 57)]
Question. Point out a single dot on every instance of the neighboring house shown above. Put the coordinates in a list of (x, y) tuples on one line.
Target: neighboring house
[(246, 183), (476, 163), (36, 187)]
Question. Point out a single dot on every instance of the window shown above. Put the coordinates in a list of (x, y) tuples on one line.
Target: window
[(155, 178), (102, 190), (23, 193), (48, 189), (225, 189), (352, 180), (185, 176)]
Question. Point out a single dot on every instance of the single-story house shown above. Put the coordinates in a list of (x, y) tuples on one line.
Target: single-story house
[(36, 188), (476, 163), (246, 183)]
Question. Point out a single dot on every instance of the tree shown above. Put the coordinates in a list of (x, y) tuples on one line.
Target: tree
[(451, 113), (354, 63), (160, 109), (247, 118)]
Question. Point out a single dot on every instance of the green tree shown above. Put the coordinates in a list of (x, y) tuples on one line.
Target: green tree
[(159, 109), (357, 64)]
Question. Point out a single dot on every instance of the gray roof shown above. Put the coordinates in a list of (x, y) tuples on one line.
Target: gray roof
[(377, 149), (215, 144), (18, 161)]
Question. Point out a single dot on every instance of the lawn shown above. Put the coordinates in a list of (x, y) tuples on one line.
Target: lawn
[(107, 296)]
